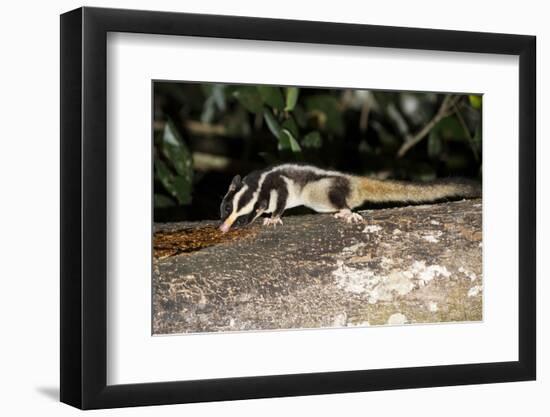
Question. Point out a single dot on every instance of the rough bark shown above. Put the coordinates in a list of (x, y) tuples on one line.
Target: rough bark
[(416, 264)]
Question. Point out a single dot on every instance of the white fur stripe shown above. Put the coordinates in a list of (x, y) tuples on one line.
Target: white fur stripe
[(236, 199), (250, 205)]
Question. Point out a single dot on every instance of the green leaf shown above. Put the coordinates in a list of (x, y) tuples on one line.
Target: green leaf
[(291, 126), (218, 96), (291, 98), (287, 141), (177, 186), (272, 123), (166, 178), (182, 187), (215, 100), (294, 145), (162, 201), (175, 150), (272, 96), (175, 172), (170, 135), (475, 101), (208, 110), (312, 140), (328, 106), (249, 97)]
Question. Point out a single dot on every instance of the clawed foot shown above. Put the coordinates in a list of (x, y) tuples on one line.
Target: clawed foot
[(349, 216), (272, 221)]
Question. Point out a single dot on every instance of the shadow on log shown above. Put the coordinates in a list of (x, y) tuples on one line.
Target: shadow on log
[(415, 264)]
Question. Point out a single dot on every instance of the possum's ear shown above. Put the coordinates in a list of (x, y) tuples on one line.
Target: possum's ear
[(235, 182)]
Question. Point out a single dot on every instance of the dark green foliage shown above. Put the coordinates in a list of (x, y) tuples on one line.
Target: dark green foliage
[(292, 94), (325, 108), (272, 97), (236, 128), (173, 168), (312, 140), (288, 141), (272, 123), (475, 101), (250, 98)]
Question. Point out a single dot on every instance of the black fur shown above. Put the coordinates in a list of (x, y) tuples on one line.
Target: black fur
[(226, 207), (275, 181), (339, 192), (302, 177)]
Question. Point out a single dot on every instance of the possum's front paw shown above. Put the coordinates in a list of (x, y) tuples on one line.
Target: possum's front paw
[(272, 221), (349, 216)]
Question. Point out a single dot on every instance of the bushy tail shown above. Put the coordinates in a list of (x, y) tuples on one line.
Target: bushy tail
[(382, 191)]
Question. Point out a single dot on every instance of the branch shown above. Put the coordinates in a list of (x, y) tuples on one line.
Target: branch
[(445, 110), (418, 264)]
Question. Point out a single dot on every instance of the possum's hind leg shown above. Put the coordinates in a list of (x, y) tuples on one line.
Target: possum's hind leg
[(338, 197)]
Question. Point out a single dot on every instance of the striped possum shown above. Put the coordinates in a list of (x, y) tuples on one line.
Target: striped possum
[(275, 189)]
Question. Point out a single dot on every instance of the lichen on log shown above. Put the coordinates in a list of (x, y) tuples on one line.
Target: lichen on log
[(414, 264)]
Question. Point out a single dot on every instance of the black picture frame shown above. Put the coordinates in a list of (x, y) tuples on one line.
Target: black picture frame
[(84, 207)]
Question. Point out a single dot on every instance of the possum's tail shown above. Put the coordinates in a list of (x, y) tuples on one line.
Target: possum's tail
[(382, 191)]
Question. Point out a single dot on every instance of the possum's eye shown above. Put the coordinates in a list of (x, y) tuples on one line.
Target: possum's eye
[(227, 210)]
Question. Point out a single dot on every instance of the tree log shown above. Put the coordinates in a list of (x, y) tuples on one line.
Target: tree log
[(414, 264)]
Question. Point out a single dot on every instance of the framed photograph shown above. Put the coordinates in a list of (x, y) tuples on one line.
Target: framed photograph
[(256, 208)]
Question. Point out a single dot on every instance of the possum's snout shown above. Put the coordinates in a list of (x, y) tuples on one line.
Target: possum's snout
[(224, 227), (238, 222)]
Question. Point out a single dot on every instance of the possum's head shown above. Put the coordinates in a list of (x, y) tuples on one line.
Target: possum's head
[(240, 205)]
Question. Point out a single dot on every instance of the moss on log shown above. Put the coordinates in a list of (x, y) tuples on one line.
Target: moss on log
[(415, 264)]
